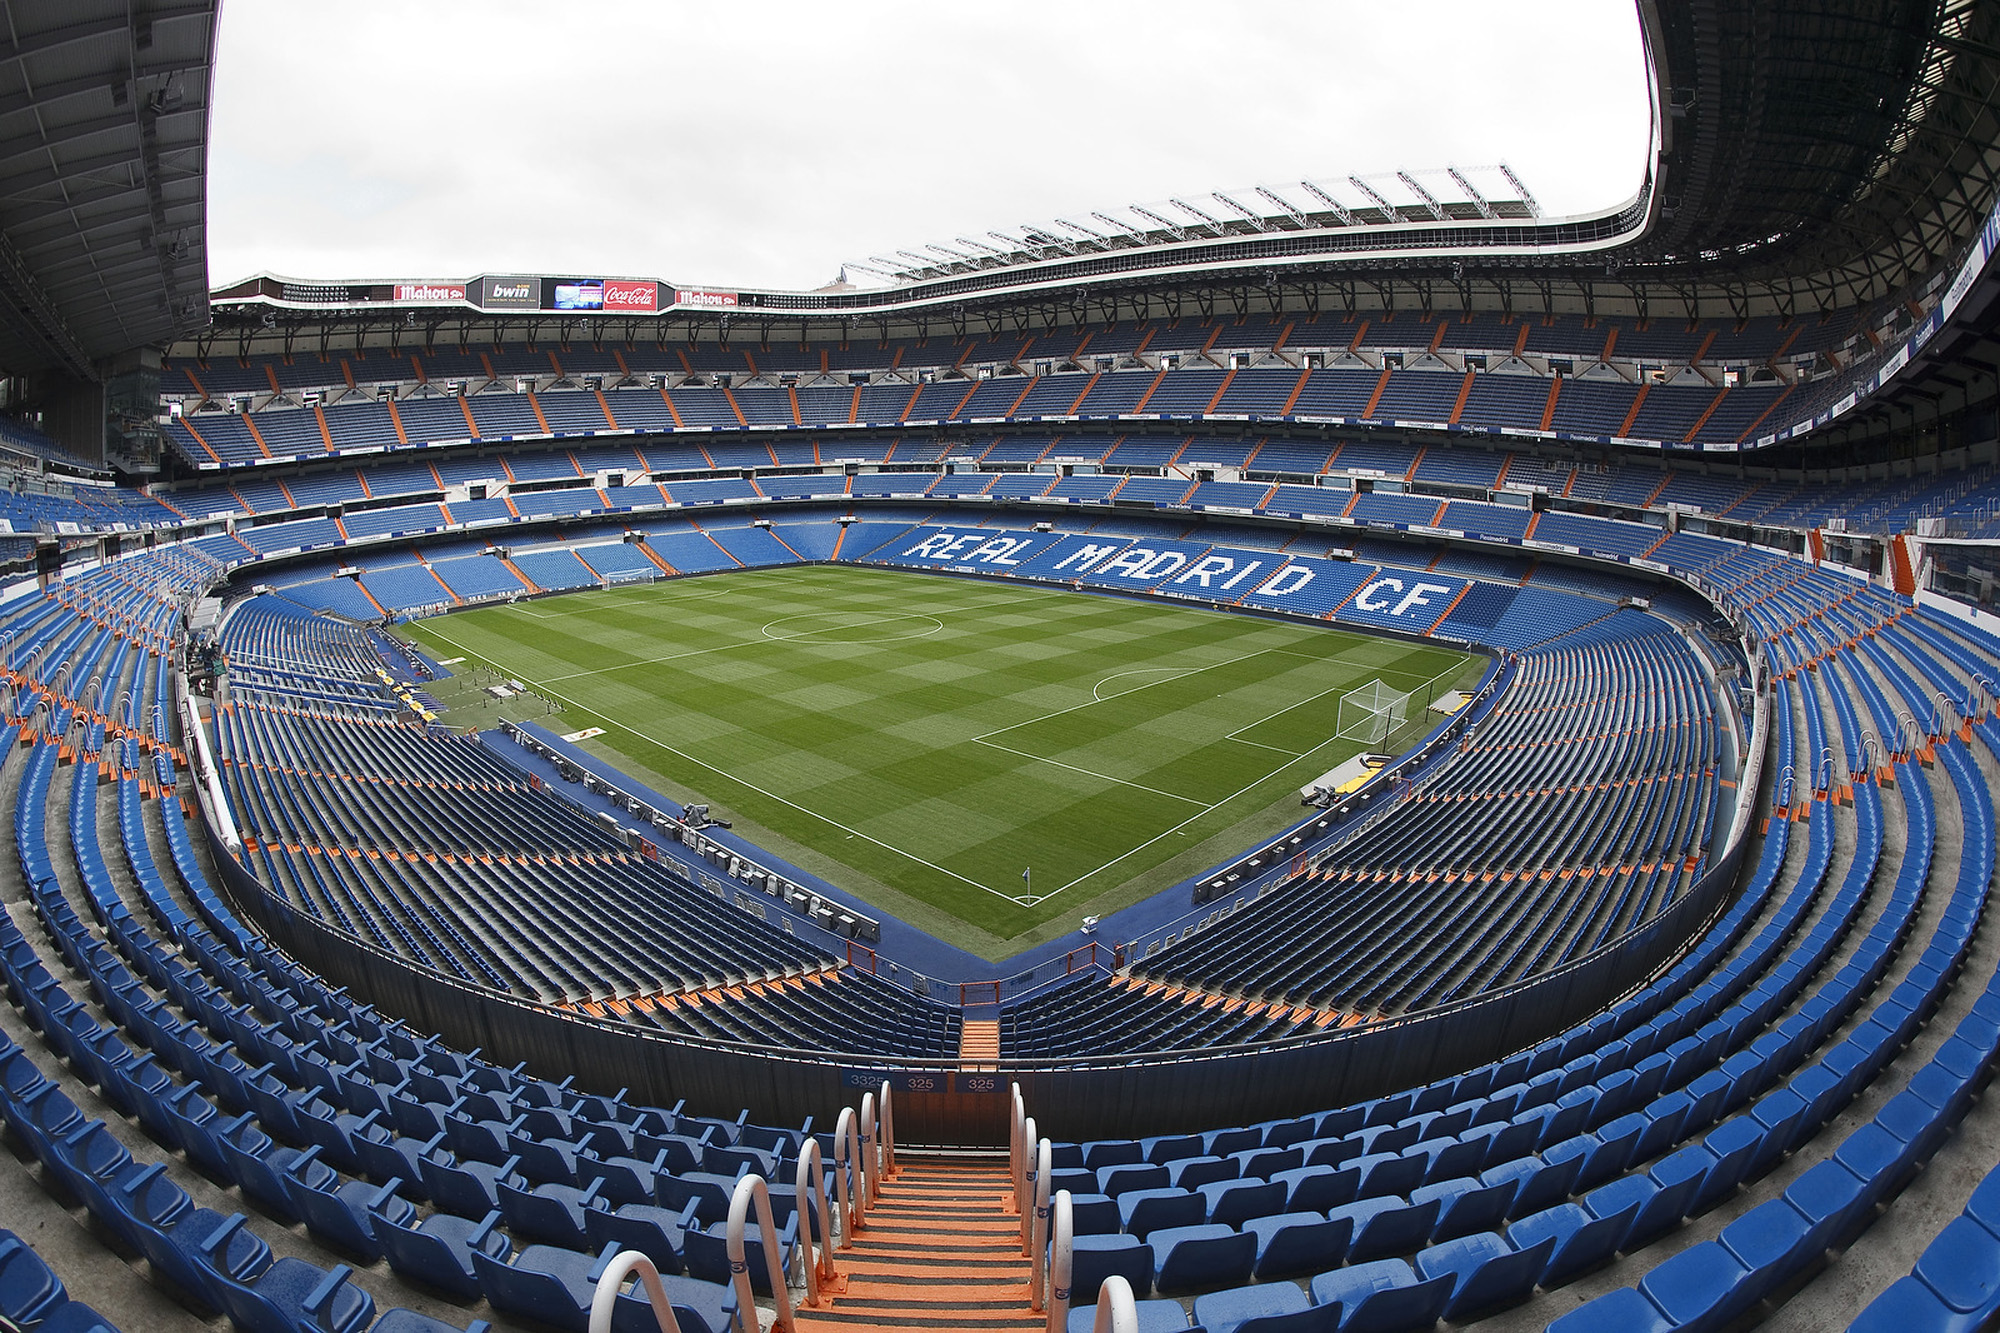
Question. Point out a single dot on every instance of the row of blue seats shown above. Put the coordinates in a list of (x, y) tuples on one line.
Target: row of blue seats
[(1726, 342), (1955, 1283), (1718, 1280), (33, 1298)]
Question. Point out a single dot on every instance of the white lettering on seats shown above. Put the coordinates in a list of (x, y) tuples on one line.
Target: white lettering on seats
[(1086, 555), (1286, 581), (1374, 595)]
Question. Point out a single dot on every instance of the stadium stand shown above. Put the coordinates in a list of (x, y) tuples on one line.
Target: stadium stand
[(1592, 1014)]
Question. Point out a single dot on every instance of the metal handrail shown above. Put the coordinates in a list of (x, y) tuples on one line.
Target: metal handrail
[(809, 1188), (1017, 1155), (1030, 1185), (605, 1300), (869, 1151), (1037, 1275), (888, 1134), (750, 1190), (1117, 1310), (1061, 1259), (847, 1159)]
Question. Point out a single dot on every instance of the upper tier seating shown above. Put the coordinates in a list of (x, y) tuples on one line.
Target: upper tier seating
[(406, 498), (1589, 410), (1749, 342)]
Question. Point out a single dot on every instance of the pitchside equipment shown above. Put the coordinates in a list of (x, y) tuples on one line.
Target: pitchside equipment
[(1373, 713)]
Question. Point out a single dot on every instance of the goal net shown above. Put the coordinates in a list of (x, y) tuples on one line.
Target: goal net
[(1373, 713)]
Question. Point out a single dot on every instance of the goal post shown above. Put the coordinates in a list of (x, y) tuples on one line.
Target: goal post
[(1373, 713)]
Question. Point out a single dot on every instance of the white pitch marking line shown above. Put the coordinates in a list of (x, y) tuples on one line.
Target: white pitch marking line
[(1237, 735), (1463, 658), (1199, 814), (653, 661), (1089, 773), (725, 647), (680, 589), (1093, 701), (937, 627), (719, 648), (1096, 691)]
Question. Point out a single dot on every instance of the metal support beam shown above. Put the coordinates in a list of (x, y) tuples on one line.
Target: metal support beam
[(1214, 226), (1338, 209), (1251, 216), (1478, 199), (1534, 209), (1373, 196), (1429, 200), (1290, 210), (1174, 230)]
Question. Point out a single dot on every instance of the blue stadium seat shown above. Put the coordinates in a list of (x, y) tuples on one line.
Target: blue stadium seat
[(1187, 1259), (1486, 1272), (1242, 1308), (438, 1250), (1095, 1258), (1154, 1317), (1382, 1296), (1292, 1244)]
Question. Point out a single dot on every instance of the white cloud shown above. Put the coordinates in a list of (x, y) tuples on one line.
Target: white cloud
[(763, 145)]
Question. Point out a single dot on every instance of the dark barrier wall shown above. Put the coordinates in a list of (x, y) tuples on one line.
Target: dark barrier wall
[(1106, 1098)]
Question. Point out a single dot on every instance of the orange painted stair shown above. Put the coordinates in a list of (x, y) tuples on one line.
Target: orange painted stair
[(979, 1043), (941, 1249)]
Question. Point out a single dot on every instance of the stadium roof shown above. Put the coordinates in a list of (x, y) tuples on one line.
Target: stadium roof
[(1826, 148), (104, 122), (1808, 155)]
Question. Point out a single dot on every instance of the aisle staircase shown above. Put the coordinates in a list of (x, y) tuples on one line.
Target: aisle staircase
[(941, 1249), (979, 1044)]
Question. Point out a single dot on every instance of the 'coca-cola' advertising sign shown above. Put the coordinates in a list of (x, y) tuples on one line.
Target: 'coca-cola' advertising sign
[(430, 291), (631, 297), (695, 296)]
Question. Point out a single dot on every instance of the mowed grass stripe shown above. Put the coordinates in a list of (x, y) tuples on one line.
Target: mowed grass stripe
[(938, 735)]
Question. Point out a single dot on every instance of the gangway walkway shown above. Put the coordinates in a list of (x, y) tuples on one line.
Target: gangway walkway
[(941, 1249)]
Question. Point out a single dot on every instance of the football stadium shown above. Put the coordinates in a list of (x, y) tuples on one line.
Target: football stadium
[(1347, 755)]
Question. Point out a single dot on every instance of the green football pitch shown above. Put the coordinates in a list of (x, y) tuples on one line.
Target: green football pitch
[(989, 761)]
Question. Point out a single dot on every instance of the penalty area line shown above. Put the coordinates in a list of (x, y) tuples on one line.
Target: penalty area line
[(1088, 772)]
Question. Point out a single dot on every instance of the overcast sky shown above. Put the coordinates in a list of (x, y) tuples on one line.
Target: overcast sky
[(763, 144)]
